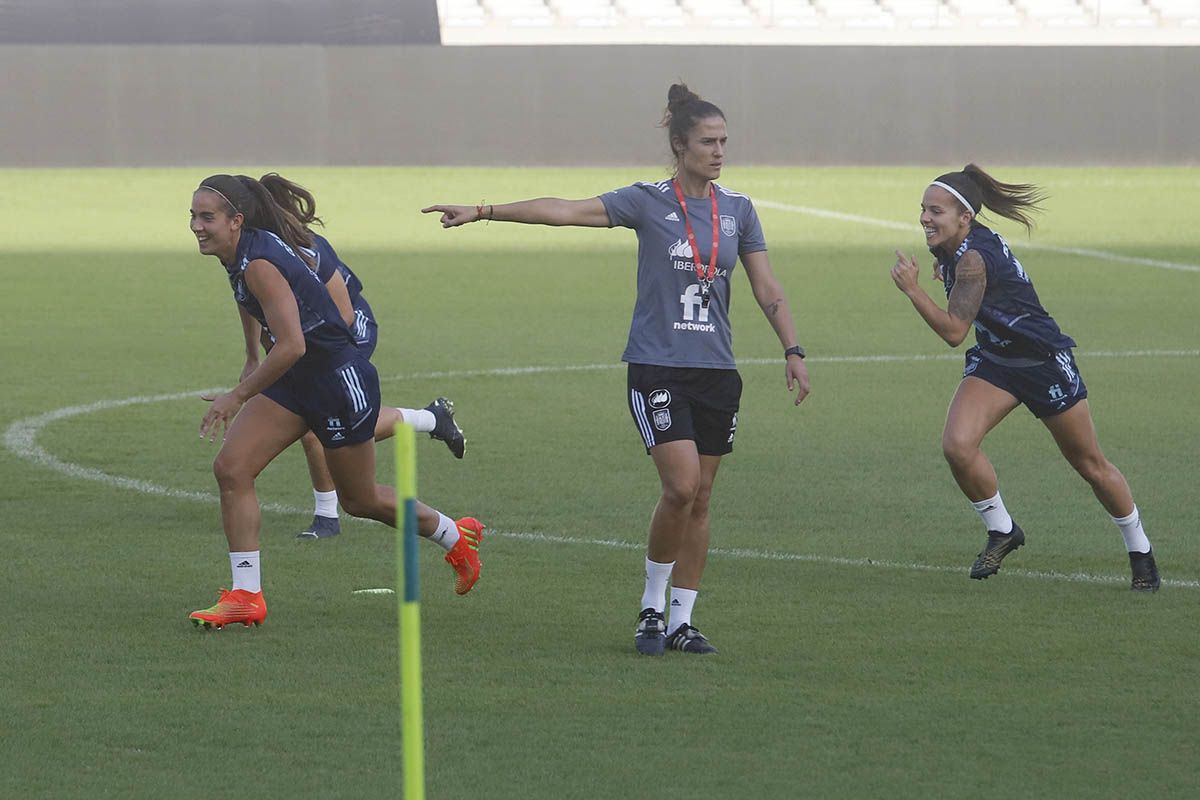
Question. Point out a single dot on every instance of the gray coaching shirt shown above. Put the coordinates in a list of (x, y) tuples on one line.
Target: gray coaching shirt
[(670, 327)]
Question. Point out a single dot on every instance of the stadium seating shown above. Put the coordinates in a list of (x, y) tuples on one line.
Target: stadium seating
[(820, 21)]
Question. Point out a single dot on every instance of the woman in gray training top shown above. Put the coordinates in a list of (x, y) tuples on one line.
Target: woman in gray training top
[(684, 387)]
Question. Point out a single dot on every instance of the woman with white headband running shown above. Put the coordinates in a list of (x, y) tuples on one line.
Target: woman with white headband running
[(1020, 357)]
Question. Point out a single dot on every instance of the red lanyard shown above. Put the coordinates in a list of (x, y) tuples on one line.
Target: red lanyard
[(705, 279)]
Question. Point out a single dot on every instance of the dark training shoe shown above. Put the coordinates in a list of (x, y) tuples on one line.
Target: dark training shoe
[(689, 640), (321, 528), (445, 429), (998, 546), (651, 634), (1145, 572)]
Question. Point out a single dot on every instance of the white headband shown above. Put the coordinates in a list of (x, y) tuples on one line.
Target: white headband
[(237, 210), (949, 189)]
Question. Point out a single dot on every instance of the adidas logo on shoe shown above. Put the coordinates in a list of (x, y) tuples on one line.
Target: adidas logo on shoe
[(688, 639)]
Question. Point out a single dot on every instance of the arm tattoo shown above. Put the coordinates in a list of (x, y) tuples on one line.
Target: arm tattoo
[(773, 308), (970, 280)]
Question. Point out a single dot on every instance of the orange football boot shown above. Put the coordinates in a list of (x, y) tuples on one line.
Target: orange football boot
[(464, 556), (248, 608)]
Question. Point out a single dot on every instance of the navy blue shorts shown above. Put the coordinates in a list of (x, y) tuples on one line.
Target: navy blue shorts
[(675, 403), (1046, 389), (339, 405)]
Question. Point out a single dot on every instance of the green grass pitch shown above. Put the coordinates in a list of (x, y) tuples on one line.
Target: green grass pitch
[(857, 660)]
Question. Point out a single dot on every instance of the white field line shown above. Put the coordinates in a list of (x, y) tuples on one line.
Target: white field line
[(876, 359), (913, 227), (771, 555), (20, 438)]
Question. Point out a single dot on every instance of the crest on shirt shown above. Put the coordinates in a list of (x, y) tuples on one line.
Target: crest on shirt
[(728, 225)]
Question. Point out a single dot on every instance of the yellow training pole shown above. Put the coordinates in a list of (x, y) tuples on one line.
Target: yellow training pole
[(412, 722)]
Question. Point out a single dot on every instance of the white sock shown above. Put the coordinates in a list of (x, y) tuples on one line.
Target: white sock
[(682, 601), (447, 534), (246, 573), (326, 504), (1131, 529), (422, 421), (657, 575), (994, 514)]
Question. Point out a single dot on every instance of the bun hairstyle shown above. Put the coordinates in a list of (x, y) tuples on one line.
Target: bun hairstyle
[(246, 196), (684, 110), (292, 197), (975, 190)]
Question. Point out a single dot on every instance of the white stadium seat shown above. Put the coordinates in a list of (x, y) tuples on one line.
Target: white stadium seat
[(820, 21), (1177, 10), (984, 8), (772, 11)]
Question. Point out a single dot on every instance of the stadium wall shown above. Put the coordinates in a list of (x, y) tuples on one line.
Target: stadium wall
[(146, 105)]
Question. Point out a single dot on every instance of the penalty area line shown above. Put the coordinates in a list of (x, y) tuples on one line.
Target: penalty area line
[(871, 563), (1100, 255), (901, 358)]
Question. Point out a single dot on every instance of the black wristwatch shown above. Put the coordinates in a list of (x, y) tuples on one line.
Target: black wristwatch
[(794, 350)]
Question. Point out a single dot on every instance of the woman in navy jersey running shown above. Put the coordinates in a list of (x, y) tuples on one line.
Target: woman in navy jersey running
[(1020, 357), (436, 419), (683, 385), (314, 377)]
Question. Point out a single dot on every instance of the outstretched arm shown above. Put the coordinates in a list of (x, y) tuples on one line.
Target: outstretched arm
[(970, 281), (775, 308), (542, 211)]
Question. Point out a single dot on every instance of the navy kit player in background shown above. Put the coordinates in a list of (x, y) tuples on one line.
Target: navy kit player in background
[(683, 385), (436, 419), (1020, 357), (314, 377)]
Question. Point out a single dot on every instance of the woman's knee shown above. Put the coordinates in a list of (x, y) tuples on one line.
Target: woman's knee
[(957, 449), (1093, 468), (231, 473), (360, 503), (355, 504), (681, 492)]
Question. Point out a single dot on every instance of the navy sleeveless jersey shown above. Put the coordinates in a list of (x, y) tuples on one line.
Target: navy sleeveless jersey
[(1011, 323), (327, 263), (326, 335)]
